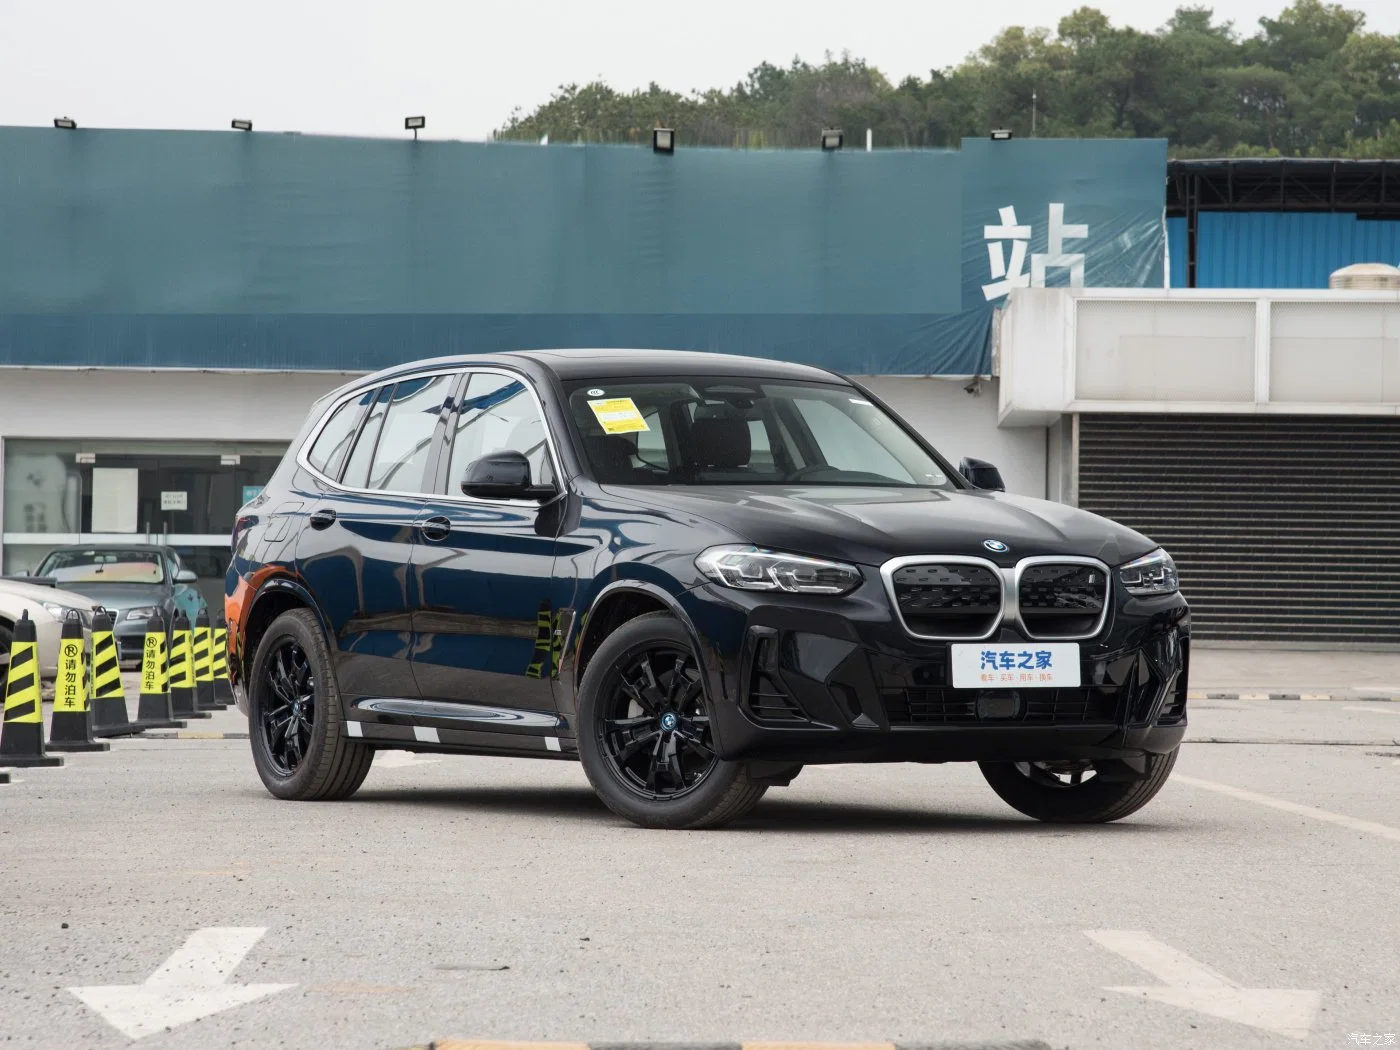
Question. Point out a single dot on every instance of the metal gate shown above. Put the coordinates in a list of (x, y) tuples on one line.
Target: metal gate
[(1286, 529)]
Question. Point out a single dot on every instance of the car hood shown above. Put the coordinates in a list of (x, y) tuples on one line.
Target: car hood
[(116, 596), (871, 525), (33, 592)]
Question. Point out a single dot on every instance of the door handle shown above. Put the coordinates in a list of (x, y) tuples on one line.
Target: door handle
[(438, 527), (323, 518)]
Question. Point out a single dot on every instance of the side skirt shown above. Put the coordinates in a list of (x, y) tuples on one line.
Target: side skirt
[(435, 726)]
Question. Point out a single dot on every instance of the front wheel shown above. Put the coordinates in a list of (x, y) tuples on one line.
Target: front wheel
[(1074, 793), (644, 733), (296, 727)]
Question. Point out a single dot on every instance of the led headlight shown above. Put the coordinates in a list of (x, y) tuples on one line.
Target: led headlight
[(1152, 574), (751, 569)]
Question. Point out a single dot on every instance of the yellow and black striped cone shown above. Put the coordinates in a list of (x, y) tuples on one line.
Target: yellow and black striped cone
[(108, 697), (203, 651), (182, 670), (153, 705), (223, 688), (22, 734), (71, 728)]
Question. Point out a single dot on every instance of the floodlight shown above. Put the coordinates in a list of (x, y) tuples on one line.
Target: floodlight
[(663, 140), (242, 125), (1001, 135), (66, 123), (832, 139)]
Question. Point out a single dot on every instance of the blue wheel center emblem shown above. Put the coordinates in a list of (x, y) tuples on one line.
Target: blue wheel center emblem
[(996, 546), (669, 721)]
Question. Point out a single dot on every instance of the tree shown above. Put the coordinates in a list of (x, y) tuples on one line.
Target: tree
[(1311, 81)]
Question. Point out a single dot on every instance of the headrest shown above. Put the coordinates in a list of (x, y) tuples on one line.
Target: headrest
[(612, 456), (720, 441)]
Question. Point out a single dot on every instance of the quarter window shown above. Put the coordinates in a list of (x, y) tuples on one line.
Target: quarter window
[(498, 414), (328, 451)]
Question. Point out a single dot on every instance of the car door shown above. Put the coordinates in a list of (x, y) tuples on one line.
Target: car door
[(485, 568), (355, 550)]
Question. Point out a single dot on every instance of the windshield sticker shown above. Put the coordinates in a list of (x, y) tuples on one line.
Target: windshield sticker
[(618, 415), (596, 392)]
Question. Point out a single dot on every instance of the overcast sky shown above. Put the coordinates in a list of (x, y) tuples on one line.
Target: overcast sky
[(358, 67)]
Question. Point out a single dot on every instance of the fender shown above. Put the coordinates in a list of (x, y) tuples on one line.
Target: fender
[(284, 585), (709, 662)]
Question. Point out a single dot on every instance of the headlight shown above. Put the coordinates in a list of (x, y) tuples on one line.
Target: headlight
[(751, 569), (142, 612), (60, 612), (1152, 574)]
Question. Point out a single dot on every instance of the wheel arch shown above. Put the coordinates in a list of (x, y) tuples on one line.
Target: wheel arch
[(276, 596), (624, 600)]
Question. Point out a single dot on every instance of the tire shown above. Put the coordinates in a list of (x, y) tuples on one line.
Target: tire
[(332, 766), (1025, 787), (719, 793), (6, 640)]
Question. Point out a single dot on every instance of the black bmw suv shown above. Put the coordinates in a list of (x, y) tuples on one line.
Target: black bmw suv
[(694, 573)]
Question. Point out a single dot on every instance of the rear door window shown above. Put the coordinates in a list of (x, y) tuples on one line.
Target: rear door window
[(405, 445), (357, 468)]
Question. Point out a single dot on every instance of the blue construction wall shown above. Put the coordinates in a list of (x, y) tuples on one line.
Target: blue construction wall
[(199, 249), (1279, 249)]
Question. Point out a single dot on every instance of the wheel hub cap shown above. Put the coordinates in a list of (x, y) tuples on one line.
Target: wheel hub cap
[(669, 721)]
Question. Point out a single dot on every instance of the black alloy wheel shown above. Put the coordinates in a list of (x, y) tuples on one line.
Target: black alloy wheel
[(290, 710), (645, 731), (301, 746), (655, 732), (1075, 792)]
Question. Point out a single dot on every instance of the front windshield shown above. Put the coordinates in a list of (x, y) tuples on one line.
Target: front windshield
[(739, 431), (103, 566)]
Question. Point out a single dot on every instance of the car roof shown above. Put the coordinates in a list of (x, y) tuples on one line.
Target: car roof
[(607, 363)]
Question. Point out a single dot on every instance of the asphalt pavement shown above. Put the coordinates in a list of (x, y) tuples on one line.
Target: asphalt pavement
[(158, 892)]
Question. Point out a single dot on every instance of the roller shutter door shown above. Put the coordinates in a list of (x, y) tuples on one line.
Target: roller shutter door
[(1285, 528)]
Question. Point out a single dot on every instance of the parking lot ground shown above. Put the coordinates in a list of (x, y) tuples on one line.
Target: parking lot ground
[(1252, 904), (1297, 673)]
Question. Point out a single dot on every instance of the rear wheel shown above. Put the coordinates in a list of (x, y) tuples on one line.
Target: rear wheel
[(295, 722), (1072, 792), (644, 735)]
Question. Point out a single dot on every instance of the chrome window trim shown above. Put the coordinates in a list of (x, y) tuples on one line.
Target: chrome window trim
[(1010, 613), (889, 568), (434, 497), (1061, 559)]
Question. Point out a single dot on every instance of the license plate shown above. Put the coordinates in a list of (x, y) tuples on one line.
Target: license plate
[(1044, 665)]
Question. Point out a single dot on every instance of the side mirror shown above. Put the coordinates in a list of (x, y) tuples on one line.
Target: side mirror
[(982, 474), (502, 475), (186, 576)]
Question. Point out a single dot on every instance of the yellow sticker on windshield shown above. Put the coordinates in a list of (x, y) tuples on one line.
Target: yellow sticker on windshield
[(618, 415)]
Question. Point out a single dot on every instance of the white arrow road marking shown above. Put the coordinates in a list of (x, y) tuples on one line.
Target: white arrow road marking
[(1368, 826), (1191, 986), (401, 760), (189, 985)]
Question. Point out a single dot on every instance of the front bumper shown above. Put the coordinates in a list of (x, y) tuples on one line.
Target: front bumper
[(130, 636), (806, 681)]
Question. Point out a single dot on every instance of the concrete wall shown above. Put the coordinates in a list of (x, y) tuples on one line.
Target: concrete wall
[(961, 424), (158, 406)]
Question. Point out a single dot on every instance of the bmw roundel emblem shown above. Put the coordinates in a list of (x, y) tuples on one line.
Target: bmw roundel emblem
[(995, 546)]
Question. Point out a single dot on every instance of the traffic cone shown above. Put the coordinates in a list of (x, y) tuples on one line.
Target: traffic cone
[(153, 705), (22, 735), (71, 728), (203, 646), (108, 696), (182, 670), (223, 688)]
